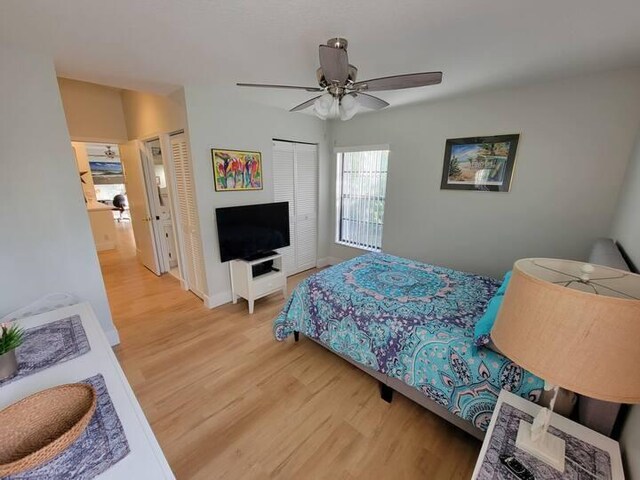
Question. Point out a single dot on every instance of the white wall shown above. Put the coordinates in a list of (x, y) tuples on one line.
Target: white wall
[(93, 112), (46, 243), (147, 114), (576, 136), (219, 117), (626, 225), (626, 230)]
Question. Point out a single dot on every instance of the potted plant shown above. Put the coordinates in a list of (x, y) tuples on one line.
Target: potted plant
[(11, 337)]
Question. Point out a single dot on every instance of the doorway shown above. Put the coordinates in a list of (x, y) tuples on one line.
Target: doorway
[(127, 193), (152, 205), (139, 198), (161, 207)]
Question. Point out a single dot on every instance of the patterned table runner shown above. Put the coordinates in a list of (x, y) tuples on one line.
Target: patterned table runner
[(100, 446), (583, 462), (49, 344)]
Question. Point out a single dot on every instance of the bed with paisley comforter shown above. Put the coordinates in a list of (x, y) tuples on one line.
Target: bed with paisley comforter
[(412, 322)]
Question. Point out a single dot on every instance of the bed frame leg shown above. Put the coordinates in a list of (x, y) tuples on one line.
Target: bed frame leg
[(386, 392), (296, 335)]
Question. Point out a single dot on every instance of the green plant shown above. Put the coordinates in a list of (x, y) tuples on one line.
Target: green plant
[(11, 336), (454, 168)]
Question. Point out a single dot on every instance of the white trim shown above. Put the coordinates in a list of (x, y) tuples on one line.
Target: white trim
[(112, 141), (362, 148), (213, 301), (357, 247), (328, 261), (112, 336)]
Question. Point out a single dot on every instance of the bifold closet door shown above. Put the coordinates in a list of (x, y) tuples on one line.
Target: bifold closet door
[(295, 172), (306, 201), (283, 191), (188, 221)]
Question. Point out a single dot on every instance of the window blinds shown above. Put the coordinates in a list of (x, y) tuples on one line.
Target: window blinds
[(362, 184)]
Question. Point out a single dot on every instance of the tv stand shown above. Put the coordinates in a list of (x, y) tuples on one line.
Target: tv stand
[(259, 256), (253, 279)]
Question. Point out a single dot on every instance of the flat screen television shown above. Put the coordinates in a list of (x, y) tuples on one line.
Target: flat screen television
[(252, 231)]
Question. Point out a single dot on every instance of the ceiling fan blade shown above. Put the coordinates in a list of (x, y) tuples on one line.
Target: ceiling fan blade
[(397, 82), (304, 105), (335, 64), (290, 87), (369, 101)]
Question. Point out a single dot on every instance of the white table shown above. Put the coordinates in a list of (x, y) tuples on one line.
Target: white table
[(145, 460), (561, 423)]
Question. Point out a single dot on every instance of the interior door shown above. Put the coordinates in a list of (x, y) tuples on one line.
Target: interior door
[(283, 191), (295, 180), (306, 200), (187, 216), (156, 211), (131, 156)]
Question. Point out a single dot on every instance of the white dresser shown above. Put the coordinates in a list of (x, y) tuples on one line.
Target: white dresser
[(145, 459)]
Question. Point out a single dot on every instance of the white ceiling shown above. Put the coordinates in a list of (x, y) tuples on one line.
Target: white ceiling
[(157, 45)]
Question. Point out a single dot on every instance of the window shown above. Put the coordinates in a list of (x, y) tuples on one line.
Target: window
[(361, 188)]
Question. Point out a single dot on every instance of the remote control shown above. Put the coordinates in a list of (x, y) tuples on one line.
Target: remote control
[(516, 468)]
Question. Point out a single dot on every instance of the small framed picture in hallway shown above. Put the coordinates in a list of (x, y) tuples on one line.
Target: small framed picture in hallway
[(236, 170)]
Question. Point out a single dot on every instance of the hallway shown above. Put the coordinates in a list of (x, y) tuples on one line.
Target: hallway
[(227, 401)]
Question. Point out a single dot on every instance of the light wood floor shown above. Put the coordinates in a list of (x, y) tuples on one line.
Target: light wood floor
[(227, 401)]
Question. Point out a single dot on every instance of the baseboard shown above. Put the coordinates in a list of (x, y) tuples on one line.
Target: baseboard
[(112, 336), (327, 261), (213, 301)]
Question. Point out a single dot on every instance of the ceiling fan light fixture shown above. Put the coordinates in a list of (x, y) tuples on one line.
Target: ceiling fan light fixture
[(340, 94), (322, 106), (348, 107)]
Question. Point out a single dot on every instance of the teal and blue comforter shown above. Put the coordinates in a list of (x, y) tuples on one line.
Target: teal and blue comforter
[(411, 321)]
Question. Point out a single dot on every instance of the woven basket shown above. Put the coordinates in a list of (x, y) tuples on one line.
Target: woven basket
[(39, 427)]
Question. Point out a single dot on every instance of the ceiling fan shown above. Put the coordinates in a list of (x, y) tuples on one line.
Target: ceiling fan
[(342, 94)]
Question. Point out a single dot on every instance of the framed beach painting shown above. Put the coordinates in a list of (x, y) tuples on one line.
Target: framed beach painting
[(236, 170), (479, 163)]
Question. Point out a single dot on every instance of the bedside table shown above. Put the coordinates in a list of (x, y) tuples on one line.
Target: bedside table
[(589, 455)]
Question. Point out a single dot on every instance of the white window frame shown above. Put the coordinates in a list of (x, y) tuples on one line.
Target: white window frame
[(338, 152)]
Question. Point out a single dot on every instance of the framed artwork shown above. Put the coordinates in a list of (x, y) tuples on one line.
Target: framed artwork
[(479, 163), (236, 170)]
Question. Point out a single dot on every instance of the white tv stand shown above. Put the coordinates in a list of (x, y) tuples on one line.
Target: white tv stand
[(245, 285)]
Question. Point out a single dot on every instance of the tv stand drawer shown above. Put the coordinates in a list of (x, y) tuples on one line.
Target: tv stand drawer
[(268, 283)]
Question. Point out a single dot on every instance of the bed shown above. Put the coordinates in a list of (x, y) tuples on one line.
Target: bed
[(411, 326)]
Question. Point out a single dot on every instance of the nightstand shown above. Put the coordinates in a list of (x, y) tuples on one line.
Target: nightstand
[(589, 455)]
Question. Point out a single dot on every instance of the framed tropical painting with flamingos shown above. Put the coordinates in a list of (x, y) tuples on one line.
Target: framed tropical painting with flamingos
[(236, 170)]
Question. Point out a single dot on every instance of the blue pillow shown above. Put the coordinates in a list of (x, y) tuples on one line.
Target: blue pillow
[(505, 283), (485, 324), (481, 334)]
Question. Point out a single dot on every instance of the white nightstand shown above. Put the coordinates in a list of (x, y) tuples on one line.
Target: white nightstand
[(593, 446)]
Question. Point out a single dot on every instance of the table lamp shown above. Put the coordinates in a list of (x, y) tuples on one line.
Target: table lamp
[(576, 326)]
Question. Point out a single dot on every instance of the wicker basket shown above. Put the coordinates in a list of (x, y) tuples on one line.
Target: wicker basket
[(39, 427)]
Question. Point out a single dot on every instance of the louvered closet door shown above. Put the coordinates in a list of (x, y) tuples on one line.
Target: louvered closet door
[(306, 200), (283, 191), (295, 174), (188, 215)]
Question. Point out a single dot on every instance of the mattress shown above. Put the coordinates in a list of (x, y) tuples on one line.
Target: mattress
[(411, 321)]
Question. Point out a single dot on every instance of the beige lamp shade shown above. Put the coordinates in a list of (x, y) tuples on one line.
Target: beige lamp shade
[(574, 325)]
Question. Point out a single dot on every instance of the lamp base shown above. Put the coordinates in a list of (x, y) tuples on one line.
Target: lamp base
[(548, 448)]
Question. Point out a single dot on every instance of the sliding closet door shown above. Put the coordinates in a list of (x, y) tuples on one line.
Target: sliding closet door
[(188, 221), (306, 200), (295, 173), (283, 191)]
